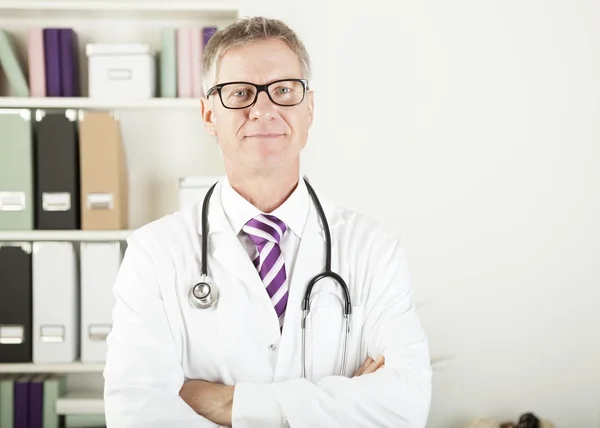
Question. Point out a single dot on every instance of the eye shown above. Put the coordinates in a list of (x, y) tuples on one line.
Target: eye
[(240, 93)]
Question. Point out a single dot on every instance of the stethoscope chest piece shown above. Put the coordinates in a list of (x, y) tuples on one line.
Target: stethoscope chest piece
[(203, 295)]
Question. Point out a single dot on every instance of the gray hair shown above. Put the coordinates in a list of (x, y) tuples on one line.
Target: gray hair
[(246, 31)]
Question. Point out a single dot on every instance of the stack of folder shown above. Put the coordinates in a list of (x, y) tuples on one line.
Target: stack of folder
[(56, 300), (60, 170), (181, 60), (29, 400), (53, 69)]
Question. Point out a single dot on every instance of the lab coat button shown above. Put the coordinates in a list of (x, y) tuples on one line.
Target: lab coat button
[(272, 347)]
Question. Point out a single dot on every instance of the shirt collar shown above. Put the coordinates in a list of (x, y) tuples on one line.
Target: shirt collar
[(293, 212)]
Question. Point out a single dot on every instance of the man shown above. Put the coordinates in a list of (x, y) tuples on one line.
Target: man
[(241, 363)]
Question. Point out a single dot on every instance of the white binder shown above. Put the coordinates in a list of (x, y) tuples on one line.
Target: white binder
[(55, 303), (100, 262)]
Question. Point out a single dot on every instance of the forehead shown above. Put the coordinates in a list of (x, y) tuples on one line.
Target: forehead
[(259, 63)]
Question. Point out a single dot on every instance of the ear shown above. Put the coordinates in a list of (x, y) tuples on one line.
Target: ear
[(208, 116), (311, 107)]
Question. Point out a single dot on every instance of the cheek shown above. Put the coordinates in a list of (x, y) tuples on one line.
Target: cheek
[(227, 125)]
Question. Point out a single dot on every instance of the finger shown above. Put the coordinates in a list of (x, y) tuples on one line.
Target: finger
[(374, 365), (364, 365)]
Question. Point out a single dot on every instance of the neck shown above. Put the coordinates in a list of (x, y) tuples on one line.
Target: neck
[(265, 190)]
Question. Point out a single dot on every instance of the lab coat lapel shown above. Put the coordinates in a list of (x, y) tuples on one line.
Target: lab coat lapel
[(310, 261), (229, 253)]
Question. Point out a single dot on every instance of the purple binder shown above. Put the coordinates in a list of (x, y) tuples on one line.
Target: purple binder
[(36, 402), (52, 62), (21, 399), (207, 33), (68, 63)]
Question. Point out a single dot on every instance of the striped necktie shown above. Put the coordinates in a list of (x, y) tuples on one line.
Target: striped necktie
[(266, 232)]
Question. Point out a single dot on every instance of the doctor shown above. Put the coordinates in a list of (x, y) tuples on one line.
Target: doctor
[(244, 360)]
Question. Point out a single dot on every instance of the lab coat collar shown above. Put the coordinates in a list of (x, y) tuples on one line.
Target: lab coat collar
[(217, 221), (292, 212)]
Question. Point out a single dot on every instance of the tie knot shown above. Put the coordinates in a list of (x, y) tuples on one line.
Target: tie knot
[(263, 228)]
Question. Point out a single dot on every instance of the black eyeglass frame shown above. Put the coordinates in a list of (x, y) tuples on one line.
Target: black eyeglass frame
[(259, 89)]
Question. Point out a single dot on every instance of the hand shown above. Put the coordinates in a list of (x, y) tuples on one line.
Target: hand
[(214, 401), (370, 366)]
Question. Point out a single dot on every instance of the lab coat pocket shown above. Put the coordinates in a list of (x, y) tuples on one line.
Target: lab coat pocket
[(327, 334)]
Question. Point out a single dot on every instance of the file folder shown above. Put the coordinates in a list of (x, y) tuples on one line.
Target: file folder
[(15, 302), (36, 66), (56, 170), (103, 172), (55, 303), (100, 262), (16, 170), (52, 62)]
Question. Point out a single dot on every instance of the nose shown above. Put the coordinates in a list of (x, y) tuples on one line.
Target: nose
[(263, 108)]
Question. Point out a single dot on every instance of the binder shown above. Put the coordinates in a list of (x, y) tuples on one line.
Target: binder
[(100, 262), (184, 62), (21, 403), (16, 170), (15, 302), (55, 386), (9, 62), (103, 172), (69, 74), (56, 170), (55, 303), (168, 63), (35, 402), (7, 389), (52, 62), (37, 67), (196, 57)]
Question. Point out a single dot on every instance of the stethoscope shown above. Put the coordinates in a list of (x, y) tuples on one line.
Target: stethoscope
[(204, 295)]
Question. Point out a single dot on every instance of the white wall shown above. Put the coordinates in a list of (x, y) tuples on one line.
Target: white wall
[(473, 127)]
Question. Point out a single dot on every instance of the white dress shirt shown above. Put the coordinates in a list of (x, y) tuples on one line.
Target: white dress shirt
[(293, 212)]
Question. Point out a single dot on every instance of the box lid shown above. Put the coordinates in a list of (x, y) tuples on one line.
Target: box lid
[(118, 49)]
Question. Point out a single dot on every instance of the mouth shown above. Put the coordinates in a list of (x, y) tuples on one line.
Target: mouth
[(265, 136)]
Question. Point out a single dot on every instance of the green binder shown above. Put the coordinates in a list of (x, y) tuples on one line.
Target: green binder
[(9, 63), (6, 401), (55, 386), (168, 63), (16, 170)]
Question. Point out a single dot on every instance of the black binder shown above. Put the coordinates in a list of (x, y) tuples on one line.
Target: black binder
[(15, 303), (57, 170)]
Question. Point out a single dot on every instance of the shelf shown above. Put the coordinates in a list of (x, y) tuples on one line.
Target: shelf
[(80, 403), (51, 368), (64, 235), (209, 8), (98, 104)]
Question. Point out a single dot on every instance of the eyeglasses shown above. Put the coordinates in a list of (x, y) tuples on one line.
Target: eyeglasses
[(239, 95)]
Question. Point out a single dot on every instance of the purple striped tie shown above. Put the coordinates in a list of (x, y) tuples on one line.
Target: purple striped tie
[(266, 232)]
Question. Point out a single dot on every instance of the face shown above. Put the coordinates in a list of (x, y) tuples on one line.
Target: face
[(264, 136)]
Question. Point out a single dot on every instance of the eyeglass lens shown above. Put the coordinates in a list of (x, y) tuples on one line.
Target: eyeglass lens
[(240, 95)]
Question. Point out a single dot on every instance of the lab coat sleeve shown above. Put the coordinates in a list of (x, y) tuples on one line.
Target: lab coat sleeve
[(143, 374), (397, 395)]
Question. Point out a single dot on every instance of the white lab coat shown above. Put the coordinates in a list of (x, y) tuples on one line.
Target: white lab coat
[(158, 340)]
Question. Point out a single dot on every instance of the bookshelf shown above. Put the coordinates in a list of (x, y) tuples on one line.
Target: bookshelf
[(64, 235), (137, 8), (80, 403), (98, 104), (164, 138), (76, 367)]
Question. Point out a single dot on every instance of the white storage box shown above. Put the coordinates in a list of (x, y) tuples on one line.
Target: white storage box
[(192, 190), (121, 71)]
